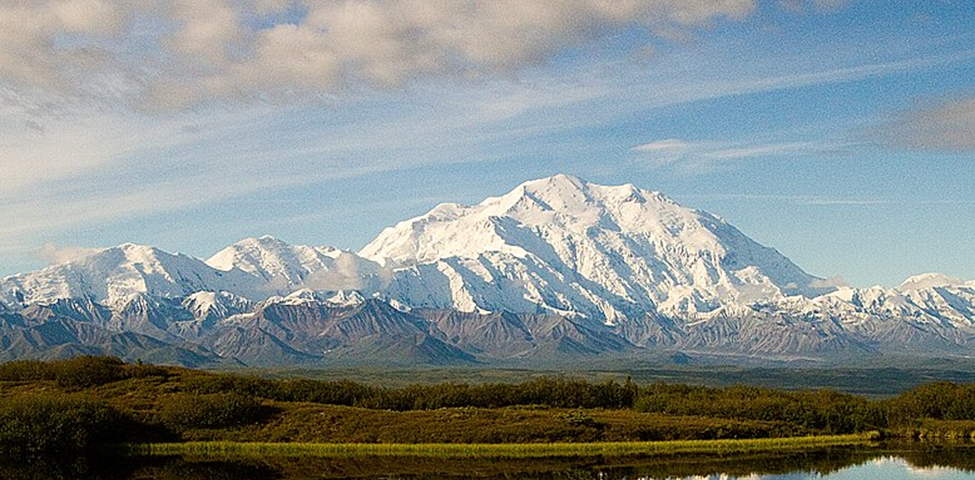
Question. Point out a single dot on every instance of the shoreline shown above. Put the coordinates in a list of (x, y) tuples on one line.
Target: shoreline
[(499, 450)]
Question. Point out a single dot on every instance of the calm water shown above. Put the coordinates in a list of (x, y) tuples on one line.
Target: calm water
[(928, 463), (885, 468)]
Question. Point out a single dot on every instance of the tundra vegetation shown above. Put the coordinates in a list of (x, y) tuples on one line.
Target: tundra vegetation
[(103, 403)]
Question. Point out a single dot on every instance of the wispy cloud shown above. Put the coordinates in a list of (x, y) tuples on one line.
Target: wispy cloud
[(844, 74), (808, 200), (704, 82), (97, 169), (844, 202), (702, 156), (72, 146), (829, 201)]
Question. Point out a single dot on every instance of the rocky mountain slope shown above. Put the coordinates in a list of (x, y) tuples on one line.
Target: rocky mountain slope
[(557, 269)]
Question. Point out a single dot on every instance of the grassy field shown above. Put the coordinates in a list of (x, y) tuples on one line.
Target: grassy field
[(529, 450), (312, 423), (77, 404)]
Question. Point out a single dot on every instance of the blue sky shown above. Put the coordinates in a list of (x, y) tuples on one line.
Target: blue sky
[(840, 133)]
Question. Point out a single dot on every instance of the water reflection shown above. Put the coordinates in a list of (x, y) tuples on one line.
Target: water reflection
[(890, 463)]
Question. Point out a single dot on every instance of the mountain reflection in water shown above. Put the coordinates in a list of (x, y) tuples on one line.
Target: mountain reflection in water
[(893, 464)]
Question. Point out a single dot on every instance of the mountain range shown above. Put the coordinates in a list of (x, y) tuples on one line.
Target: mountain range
[(557, 270)]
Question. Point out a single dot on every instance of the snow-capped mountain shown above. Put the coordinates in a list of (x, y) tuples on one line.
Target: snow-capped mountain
[(287, 268), (931, 280), (112, 275), (204, 305), (562, 245), (556, 268)]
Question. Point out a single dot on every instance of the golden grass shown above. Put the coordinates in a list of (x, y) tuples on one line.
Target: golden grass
[(521, 450)]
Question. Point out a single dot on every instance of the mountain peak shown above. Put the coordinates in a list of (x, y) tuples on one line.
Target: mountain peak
[(134, 246), (287, 267), (559, 192), (561, 243), (571, 196), (929, 280), (269, 257), (559, 182), (261, 240), (135, 252)]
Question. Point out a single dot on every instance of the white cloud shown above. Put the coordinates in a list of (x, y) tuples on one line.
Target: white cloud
[(699, 157), (40, 41), (53, 254), (710, 86), (174, 53), (351, 272), (832, 282), (208, 31), (667, 145), (763, 150), (825, 202), (830, 4)]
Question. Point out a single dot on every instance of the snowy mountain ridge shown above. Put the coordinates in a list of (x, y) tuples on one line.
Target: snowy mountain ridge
[(586, 266), (112, 275)]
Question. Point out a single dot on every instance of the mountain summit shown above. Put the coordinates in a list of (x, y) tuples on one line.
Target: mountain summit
[(563, 245)]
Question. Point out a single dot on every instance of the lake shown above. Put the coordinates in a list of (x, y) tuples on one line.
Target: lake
[(932, 462)]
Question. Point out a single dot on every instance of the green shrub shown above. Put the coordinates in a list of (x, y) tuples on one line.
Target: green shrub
[(144, 371), (238, 384), (579, 418), (81, 372), (215, 410), (26, 371), (939, 401), (88, 371), (49, 424), (820, 410), (342, 392)]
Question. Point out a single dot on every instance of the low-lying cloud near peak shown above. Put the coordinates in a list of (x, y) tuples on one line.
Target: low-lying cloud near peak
[(52, 254), (172, 53)]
